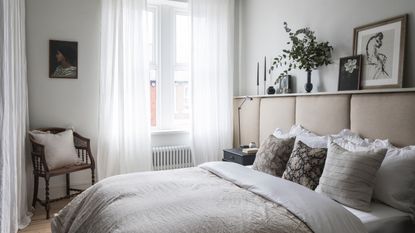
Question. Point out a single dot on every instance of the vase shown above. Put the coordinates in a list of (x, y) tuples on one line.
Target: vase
[(308, 86), (271, 90)]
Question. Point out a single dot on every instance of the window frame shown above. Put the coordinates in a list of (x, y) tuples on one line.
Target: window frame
[(165, 65)]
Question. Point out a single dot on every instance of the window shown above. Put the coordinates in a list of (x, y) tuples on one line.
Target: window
[(169, 48)]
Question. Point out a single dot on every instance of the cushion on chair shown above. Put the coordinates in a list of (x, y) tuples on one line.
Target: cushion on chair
[(59, 148)]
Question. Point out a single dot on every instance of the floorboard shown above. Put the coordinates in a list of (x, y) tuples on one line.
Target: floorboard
[(39, 222)]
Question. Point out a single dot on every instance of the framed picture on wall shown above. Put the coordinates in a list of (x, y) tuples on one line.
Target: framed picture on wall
[(63, 59), (382, 45), (350, 72)]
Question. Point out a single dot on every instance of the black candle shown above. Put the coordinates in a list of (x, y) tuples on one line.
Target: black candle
[(257, 74), (265, 69)]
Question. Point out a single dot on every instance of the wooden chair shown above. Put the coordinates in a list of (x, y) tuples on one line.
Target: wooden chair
[(40, 167)]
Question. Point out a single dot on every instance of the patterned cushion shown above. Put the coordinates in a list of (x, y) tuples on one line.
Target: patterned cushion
[(305, 165), (273, 155), (349, 177)]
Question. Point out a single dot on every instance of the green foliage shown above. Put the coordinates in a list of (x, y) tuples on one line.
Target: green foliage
[(305, 53)]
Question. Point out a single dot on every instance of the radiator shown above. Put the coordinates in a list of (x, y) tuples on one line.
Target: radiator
[(172, 157)]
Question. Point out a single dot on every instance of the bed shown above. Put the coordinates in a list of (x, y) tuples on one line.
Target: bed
[(385, 219), (214, 197), (227, 197)]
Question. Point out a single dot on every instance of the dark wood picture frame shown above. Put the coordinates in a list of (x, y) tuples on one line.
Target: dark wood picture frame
[(349, 79), (63, 59), (403, 20)]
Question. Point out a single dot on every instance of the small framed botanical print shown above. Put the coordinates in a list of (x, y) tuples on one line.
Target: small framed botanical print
[(63, 59), (382, 45), (350, 72)]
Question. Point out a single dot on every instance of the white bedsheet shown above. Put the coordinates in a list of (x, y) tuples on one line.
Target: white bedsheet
[(385, 219)]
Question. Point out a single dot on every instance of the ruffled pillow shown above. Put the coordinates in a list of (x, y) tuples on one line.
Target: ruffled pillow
[(316, 141)]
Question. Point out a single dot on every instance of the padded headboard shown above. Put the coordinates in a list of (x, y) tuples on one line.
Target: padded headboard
[(373, 114)]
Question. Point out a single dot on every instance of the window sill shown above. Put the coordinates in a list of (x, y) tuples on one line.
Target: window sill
[(169, 131)]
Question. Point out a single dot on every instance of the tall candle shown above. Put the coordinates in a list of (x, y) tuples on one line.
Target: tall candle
[(257, 74), (265, 69)]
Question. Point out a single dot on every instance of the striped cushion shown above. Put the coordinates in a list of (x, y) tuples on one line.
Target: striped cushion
[(348, 177)]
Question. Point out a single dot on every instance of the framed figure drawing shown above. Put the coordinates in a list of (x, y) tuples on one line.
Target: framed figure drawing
[(63, 59), (382, 45), (350, 72)]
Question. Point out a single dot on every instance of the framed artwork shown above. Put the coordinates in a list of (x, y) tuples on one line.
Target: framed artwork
[(350, 72), (63, 59), (382, 45)]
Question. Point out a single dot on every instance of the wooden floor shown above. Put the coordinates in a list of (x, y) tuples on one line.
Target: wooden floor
[(39, 222)]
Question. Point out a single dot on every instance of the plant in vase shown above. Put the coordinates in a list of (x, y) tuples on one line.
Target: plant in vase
[(305, 54)]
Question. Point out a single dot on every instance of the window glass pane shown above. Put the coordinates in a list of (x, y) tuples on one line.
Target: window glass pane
[(181, 98), (151, 36), (153, 98), (182, 38)]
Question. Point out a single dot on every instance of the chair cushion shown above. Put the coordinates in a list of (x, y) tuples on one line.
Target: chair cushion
[(59, 148)]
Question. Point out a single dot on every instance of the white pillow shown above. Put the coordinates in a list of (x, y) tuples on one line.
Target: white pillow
[(315, 141), (59, 148), (353, 142), (301, 134), (294, 131), (395, 180)]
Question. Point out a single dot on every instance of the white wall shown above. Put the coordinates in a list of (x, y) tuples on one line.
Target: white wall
[(261, 34), (64, 102)]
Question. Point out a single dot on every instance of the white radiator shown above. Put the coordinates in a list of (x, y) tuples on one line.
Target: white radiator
[(172, 157)]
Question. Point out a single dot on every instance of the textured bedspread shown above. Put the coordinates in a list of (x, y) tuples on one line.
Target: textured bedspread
[(186, 200)]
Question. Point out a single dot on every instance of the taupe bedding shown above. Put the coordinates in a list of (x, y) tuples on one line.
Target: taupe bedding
[(186, 200)]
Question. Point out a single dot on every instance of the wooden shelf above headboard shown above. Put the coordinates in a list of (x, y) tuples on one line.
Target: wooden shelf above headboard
[(368, 91)]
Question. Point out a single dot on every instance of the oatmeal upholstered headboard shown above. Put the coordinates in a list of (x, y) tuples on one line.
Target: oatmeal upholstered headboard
[(373, 114)]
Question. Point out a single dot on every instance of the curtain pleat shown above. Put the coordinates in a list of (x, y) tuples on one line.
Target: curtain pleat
[(212, 77), (124, 139), (14, 213)]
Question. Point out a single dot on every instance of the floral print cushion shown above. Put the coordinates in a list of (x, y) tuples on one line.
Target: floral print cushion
[(305, 165), (273, 155)]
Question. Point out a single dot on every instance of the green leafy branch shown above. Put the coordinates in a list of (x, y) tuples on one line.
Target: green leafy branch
[(305, 53)]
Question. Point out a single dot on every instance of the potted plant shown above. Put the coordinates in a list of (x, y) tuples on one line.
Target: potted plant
[(305, 54)]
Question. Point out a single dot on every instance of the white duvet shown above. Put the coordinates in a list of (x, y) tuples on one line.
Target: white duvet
[(215, 197)]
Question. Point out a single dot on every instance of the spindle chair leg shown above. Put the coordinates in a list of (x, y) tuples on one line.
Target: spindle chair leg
[(68, 184), (47, 207), (93, 176), (35, 189)]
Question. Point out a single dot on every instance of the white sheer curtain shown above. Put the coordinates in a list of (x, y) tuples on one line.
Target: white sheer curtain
[(14, 212), (124, 111), (212, 77)]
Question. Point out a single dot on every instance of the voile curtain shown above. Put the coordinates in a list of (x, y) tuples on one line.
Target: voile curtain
[(212, 77), (124, 113), (14, 213)]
